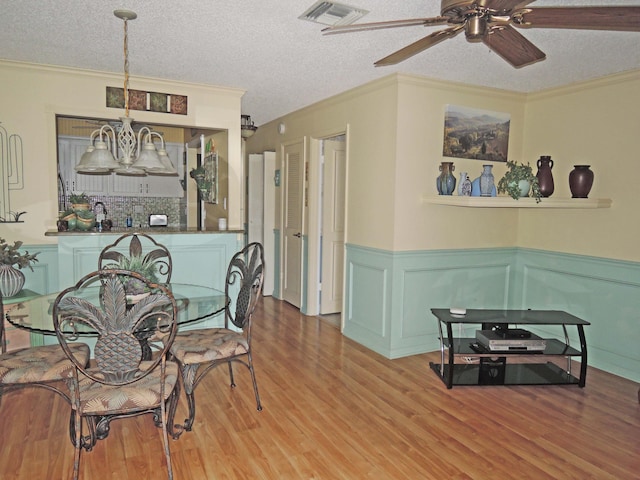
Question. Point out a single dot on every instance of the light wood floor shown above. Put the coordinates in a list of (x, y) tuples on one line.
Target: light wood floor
[(335, 410)]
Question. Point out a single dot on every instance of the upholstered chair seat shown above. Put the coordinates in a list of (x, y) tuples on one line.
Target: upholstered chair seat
[(205, 346), (102, 399), (39, 364)]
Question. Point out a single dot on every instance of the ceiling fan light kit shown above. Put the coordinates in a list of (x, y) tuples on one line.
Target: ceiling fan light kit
[(138, 155), (492, 22)]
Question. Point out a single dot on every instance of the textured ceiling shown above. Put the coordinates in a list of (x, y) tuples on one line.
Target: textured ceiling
[(285, 63)]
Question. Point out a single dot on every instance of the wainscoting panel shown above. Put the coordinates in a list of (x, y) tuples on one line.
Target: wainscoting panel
[(389, 295), (44, 278), (604, 292), (368, 298)]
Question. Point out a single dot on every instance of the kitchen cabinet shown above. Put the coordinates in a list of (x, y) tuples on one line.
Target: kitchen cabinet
[(70, 149)]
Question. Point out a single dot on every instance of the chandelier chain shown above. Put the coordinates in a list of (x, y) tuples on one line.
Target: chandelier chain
[(126, 68)]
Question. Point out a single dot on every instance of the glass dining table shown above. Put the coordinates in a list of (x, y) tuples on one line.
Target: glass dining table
[(33, 312)]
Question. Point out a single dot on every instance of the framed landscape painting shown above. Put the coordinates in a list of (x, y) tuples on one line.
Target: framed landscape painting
[(476, 134)]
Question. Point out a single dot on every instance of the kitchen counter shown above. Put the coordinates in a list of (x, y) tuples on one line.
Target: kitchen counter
[(148, 230), (198, 257)]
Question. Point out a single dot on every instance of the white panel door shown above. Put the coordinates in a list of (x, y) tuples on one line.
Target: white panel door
[(269, 221), (255, 201), (333, 211), (292, 227)]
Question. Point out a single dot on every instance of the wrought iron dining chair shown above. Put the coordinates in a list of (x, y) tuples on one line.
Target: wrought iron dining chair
[(199, 351), (143, 255), (44, 366), (119, 383)]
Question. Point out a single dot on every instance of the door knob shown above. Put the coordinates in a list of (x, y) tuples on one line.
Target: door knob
[(297, 234)]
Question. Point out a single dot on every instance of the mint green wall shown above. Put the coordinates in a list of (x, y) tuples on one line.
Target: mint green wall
[(389, 296)]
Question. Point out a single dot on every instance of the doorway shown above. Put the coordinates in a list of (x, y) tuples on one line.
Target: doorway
[(333, 160), (313, 224)]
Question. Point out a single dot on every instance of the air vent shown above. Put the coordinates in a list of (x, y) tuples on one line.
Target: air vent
[(331, 13)]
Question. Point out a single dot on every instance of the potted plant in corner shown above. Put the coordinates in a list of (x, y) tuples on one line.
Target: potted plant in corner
[(12, 279), (519, 180)]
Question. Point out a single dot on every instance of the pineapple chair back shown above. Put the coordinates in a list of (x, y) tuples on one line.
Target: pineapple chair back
[(139, 253), (199, 351), (45, 366), (120, 383)]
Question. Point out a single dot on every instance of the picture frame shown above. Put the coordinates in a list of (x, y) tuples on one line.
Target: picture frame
[(476, 134)]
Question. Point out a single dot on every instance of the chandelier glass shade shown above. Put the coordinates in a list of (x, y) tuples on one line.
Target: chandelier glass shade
[(123, 152), (247, 127)]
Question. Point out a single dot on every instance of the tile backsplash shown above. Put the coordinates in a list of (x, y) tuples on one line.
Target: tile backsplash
[(118, 208)]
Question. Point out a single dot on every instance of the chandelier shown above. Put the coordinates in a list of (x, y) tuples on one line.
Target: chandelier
[(123, 151), (247, 128)]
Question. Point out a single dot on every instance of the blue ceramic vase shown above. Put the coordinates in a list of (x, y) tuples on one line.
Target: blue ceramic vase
[(446, 182)]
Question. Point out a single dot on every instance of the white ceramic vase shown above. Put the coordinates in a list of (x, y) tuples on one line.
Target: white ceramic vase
[(11, 280)]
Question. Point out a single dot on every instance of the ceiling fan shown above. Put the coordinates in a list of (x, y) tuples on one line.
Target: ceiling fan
[(492, 22)]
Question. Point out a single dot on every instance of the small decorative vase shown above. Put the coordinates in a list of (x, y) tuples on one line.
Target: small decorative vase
[(545, 177), (446, 182), (486, 181), (580, 181), (464, 189), (11, 280)]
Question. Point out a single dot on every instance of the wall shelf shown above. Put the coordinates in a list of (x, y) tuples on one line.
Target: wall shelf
[(508, 202)]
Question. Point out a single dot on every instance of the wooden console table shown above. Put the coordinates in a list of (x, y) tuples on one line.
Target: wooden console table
[(494, 368)]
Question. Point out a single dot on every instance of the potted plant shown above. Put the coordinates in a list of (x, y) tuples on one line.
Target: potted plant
[(136, 263), (12, 279), (519, 180), (80, 201), (85, 220), (199, 175), (70, 217)]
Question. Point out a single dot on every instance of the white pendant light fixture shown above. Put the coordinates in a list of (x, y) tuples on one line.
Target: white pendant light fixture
[(133, 158)]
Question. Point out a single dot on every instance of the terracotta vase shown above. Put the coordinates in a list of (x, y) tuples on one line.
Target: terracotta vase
[(446, 182), (580, 181), (545, 177)]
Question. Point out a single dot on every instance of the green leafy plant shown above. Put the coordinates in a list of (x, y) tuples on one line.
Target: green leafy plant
[(79, 198), (10, 255), (515, 173), (196, 172), (138, 264)]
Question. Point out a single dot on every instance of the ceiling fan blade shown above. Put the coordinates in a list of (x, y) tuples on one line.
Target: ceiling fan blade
[(419, 46), (359, 27), (503, 5), (587, 18), (512, 46)]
